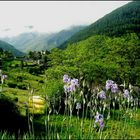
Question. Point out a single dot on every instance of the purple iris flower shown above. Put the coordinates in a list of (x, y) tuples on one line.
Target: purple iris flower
[(114, 88), (102, 95), (4, 76), (126, 93), (74, 82), (111, 85), (100, 116), (66, 78), (72, 88), (71, 84), (66, 88), (102, 124), (99, 119)]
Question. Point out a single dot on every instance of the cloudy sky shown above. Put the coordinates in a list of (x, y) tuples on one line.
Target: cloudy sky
[(50, 16)]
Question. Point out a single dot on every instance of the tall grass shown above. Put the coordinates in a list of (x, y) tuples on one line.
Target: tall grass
[(120, 117), (117, 120)]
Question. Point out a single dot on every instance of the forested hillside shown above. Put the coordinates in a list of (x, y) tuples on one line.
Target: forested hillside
[(7, 47), (125, 19), (99, 58)]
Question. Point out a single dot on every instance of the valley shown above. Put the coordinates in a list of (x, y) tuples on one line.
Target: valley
[(79, 83)]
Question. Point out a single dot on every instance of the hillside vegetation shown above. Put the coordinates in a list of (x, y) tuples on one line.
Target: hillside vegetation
[(125, 19), (89, 90), (7, 47), (99, 58)]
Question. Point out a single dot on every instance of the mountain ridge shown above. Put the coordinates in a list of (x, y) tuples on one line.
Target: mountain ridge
[(125, 19), (35, 41), (8, 47)]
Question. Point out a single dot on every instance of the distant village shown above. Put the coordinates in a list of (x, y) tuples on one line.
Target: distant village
[(33, 58)]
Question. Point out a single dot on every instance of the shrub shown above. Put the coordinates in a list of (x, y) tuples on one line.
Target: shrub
[(16, 99), (41, 81), (19, 78), (16, 65), (22, 86), (34, 70), (10, 118), (55, 93), (12, 85)]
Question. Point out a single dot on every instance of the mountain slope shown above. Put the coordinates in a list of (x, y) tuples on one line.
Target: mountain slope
[(21, 40), (6, 46), (36, 42), (125, 19)]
